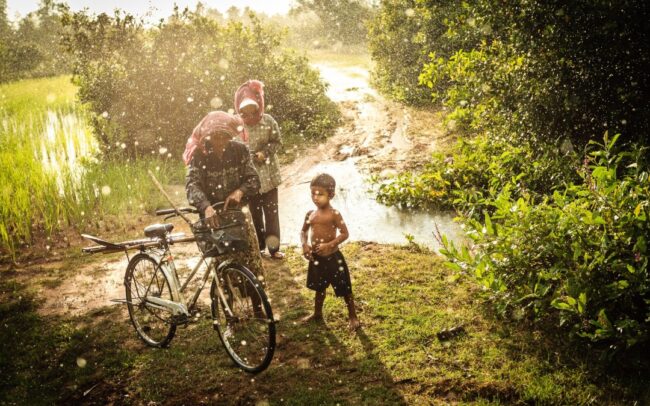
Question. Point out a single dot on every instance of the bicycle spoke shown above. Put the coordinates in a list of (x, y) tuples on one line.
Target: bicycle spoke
[(147, 280), (249, 334)]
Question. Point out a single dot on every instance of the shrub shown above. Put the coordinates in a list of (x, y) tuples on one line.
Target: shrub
[(579, 257), (400, 36), (477, 169), (149, 88), (536, 69)]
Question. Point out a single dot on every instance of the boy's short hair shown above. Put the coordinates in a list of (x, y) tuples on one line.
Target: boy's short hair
[(325, 181)]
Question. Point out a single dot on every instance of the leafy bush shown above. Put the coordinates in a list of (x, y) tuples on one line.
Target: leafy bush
[(341, 21), (545, 70), (31, 48), (400, 37), (149, 88), (478, 168), (578, 257)]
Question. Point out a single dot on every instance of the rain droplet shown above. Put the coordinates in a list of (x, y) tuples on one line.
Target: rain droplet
[(162, 150), (190, 99), (105, 114), (81, 363), (216, 102), (243, 342), (106, 190)]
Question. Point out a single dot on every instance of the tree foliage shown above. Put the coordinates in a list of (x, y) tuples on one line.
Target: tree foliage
[(529, 68), (341, 20), (32, 49), (149, 88), (558, 218)]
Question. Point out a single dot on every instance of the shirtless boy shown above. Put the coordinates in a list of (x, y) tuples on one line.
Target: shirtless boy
[(326, 263)]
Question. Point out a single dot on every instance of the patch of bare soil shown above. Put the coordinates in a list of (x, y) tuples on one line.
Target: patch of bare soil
[(386, 138)]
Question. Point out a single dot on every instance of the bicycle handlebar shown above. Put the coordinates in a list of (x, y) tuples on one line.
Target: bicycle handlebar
[(192, 210), (163, 212)]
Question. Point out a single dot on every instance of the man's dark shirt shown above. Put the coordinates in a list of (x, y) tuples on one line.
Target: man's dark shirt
[(210, 179)]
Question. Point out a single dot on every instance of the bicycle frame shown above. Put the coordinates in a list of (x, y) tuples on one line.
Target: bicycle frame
[(178, 306)]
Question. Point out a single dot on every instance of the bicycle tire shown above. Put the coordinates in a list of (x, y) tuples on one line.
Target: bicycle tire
[(235, 332), (144, 277)]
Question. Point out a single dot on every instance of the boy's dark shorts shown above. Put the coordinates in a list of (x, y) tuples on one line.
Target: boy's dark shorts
[(331, 270)]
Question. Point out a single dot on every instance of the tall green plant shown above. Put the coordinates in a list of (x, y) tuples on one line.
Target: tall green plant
[(579, 257)]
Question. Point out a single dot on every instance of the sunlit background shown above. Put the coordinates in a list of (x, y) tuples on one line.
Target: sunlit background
[(151, 10)]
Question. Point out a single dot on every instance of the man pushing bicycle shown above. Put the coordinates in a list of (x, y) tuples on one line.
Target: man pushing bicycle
[(220, 169)]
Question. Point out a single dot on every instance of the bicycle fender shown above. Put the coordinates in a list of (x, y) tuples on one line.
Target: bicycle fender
[(223, 265)]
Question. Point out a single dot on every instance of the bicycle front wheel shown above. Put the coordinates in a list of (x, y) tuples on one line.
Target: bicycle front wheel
[(144, 279), (243, 318)]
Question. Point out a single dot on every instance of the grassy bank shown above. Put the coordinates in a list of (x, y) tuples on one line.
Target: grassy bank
[(405, 297), (51, 176)]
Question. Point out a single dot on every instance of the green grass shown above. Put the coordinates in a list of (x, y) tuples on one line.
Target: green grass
[(50, 176), (405, 297), (34, 96)]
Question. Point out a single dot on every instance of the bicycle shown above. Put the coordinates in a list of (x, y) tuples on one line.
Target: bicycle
[(155, 298)]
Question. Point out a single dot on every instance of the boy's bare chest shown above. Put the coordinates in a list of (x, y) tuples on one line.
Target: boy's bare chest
[(322, 220)]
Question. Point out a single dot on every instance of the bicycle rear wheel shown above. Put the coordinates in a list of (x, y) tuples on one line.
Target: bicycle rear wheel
[(143, 279), (243, 318)]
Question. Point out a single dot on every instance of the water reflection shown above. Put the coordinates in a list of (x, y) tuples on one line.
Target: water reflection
[(65, 143), (367, 220)]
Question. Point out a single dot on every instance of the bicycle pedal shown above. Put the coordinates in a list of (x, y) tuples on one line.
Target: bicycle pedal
[(181, 320)]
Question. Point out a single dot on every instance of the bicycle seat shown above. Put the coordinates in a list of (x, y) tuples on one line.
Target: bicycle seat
[(158, 230)]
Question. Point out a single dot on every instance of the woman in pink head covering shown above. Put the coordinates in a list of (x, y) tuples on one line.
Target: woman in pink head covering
[(262, 135), (220, 169)]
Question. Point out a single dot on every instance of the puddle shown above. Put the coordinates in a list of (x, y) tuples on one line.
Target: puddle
[(379, 131), (367, 220), (96, 285)]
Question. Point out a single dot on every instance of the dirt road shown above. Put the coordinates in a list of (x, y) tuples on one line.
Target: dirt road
[(378, 136)]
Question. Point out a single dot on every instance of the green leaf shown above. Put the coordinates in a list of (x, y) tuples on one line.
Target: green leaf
[(613, 141), (637, 209), (561, 305), (582, 302), (453, 266), (488, 224)]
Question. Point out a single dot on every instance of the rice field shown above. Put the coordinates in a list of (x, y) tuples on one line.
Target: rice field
[(52, 175)]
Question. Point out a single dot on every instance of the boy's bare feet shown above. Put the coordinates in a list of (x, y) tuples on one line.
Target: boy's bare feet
[(354, 324), (318, 318)]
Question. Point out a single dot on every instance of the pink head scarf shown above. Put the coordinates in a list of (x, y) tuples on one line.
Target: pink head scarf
[(254, 90), (213, 123)]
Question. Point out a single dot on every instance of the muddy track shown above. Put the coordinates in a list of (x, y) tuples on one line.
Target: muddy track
[(377, 137)]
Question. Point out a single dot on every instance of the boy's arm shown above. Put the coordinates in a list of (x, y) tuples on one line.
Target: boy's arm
[(304, 237), (343, 228)]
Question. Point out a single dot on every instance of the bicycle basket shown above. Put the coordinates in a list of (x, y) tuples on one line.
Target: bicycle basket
[(230, 236)]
